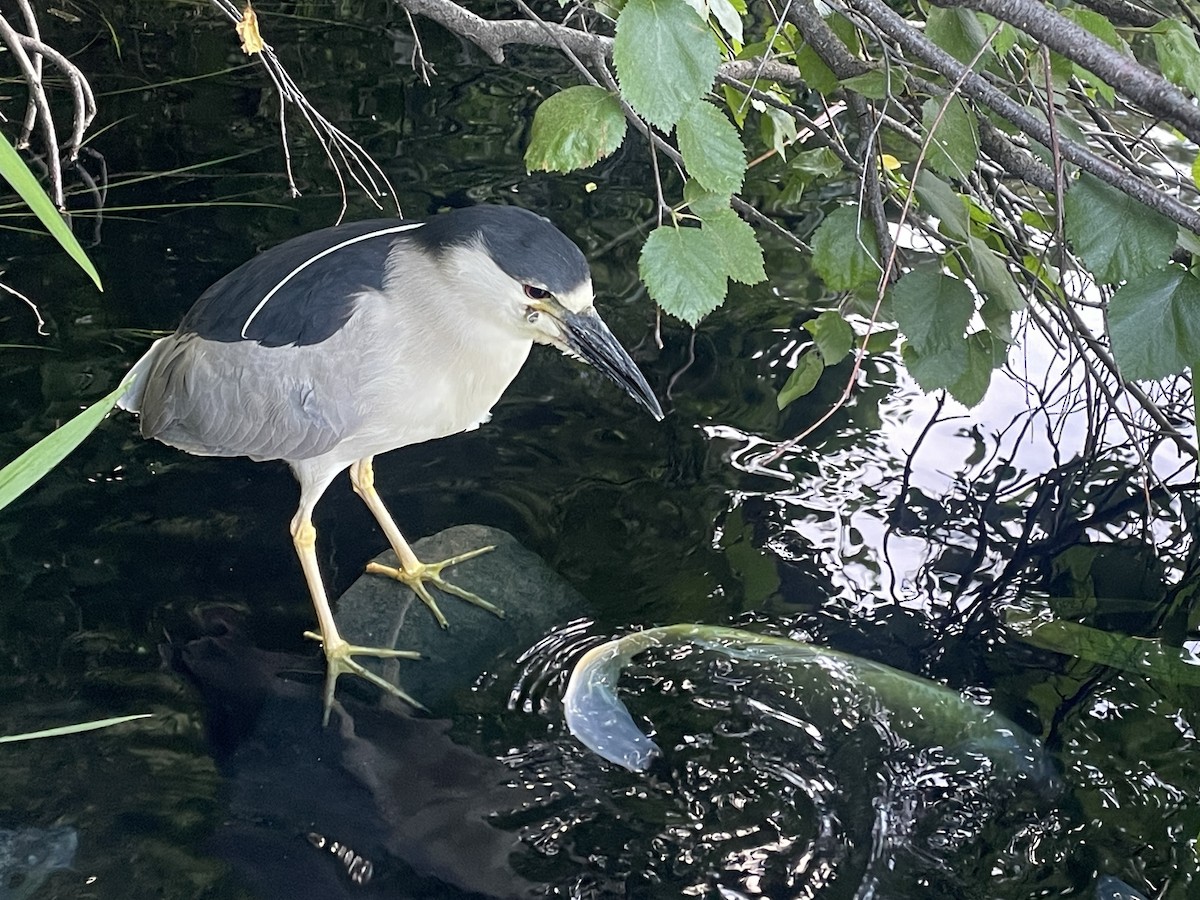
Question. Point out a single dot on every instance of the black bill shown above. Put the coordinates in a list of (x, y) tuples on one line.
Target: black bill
[(587, 335)]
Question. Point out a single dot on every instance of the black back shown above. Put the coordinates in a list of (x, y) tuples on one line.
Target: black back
[(312, 305)]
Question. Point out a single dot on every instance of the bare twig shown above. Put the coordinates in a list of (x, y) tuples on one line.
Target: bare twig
[(342, 151), (37, 313), (31, 108), (37, 96)]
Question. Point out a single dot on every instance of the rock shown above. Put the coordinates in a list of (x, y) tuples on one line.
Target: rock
[(380, 611)]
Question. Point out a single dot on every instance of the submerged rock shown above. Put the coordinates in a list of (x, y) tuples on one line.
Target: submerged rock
[(853, 692)]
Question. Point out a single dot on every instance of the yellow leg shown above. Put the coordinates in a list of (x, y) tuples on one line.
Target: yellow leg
[(412, 571), (338, 653)]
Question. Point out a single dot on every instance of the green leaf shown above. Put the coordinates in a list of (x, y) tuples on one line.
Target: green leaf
[(736, 245), (873, 85), (959, 32), (737, 103), (1189, 241), (666, 58), (998, 319), (1006, 38), (575, 128), (1154, 324), (802, 380), (17, 174), (728, 17), (932, 309), (1118, 237), (832, 334), (954, 145), (989, 270), (703, 203), (683, 272), (712, 149), (972, 385), (815, 73), (937, 369), (882, 341), (819, 163), (25, 471), (778, 129), (845, 253), (941, 201), (1102, 28), (1178, 55)]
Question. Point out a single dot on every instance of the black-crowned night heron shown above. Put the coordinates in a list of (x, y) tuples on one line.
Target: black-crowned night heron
[(351, 341)]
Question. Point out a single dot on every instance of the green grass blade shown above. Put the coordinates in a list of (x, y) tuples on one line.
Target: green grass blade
[(70, 729), (16, 173), (24, 471)]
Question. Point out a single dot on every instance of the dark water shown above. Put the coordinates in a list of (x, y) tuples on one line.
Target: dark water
[(869, 543)]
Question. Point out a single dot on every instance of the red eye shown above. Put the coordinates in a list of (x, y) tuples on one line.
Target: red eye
[(535, 293)]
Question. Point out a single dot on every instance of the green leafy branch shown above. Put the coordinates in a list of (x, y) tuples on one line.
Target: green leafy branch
[(1018, 141)]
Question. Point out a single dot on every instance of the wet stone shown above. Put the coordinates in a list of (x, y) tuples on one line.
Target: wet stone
[(379, 611)]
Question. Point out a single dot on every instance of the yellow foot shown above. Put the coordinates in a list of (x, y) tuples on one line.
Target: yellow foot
[(339, 661), (432, 573)]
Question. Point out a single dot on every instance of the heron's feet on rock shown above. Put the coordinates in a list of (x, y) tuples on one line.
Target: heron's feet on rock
[(417, 576), (339, 660)]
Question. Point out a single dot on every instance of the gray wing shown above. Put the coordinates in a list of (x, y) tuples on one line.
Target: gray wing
[(216, 398), (262, 365)]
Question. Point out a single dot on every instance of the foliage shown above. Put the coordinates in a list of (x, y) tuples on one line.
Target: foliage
[(16, 173), (1014, 141), (1138, 656), (557, 144), (28, 468)]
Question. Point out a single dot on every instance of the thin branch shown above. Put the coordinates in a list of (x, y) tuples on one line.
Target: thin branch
[(827, 45), (85, 100), (493, 36), (37, 94), (37, 313), (340, 149), (1121, 12), (31, 108)]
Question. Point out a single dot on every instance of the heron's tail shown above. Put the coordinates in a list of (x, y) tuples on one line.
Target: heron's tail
[(132, 399)]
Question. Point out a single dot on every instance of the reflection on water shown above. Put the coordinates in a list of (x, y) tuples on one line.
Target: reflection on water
[(866, 547), (29, 855)]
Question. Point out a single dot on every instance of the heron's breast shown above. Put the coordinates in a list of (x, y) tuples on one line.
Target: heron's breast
[(441, 384)]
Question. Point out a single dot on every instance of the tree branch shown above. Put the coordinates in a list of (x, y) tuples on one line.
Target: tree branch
[(1124, 12), (37, 94), (1129, 77), (827, 45), (977, 88), (492, 37)]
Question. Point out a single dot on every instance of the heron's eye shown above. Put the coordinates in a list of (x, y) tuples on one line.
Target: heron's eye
[(535, 293)]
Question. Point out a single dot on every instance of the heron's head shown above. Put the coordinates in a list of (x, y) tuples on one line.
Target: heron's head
[(536, 283)]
